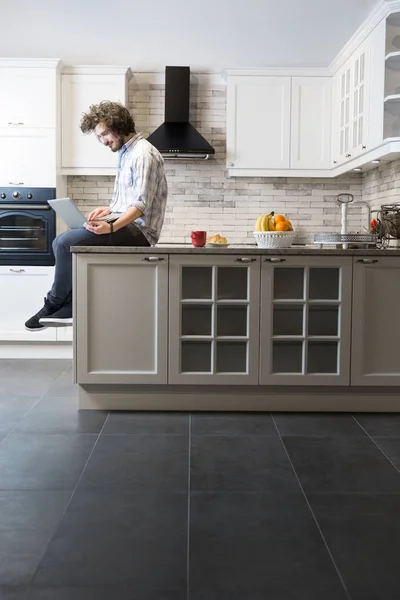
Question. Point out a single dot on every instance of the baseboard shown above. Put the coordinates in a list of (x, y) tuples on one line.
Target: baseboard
[(33, 350)]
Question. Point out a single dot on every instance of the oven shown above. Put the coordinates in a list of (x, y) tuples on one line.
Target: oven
[(27, 226)]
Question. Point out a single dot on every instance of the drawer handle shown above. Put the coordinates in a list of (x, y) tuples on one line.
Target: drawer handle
[(245, 259), (15, 123), (275, 260), (17, 270), (153, 258), (16, 183), (367, 261)]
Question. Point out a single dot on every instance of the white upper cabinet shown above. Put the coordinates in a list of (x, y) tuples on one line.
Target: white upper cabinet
[(278, 125), (28, 95), (82, 87), (258, 123), (351, 106), (310, 146)]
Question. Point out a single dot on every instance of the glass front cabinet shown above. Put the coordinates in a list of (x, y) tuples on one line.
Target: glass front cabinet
[(305, 320), (214, 319)]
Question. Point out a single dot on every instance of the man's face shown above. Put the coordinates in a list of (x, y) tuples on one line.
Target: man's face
[(106, 137)]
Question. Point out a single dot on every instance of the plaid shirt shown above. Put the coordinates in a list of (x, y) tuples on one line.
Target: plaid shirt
[(141, 182)]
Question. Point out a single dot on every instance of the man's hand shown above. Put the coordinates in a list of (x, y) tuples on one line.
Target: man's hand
[(102, 211), (98, 227)]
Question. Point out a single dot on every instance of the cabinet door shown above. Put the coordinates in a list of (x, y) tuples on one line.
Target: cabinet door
[(311, 123), (214, 319), (120, 318), (375, 358), (360, 100), (27, 97), (79, 92), (305, 320), (28, 157), (258, 122), (23, 290)]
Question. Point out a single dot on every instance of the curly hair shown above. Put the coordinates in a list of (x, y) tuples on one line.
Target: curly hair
[(114, 115)]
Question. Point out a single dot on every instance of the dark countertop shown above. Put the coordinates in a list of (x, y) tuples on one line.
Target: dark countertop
[(234, 249)]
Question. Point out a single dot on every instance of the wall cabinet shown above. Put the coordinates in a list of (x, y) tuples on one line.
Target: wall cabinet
[(214, 319), (305, 320), (28, 95), (311, 109), (278, 125), (82, 87), (22, 292), (120, 322), (375, 357), (28, 157)]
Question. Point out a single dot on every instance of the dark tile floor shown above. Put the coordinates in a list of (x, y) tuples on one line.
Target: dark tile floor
[(98, 506)]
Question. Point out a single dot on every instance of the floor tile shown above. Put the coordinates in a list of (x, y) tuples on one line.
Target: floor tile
[(46, 462), (317, 425), (98, 593), (119, 538), (28, 520), (63, 386), (240, 463), (15, 407), (341, 464), (391, 447), (13, 593), (5, 428), (363, 534), (147, 423), (30, 377), (233, 424), (139, 463), (380, 424), (61, 415), (264, 543)]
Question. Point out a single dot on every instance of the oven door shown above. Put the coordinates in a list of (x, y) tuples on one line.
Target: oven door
[(26, 234)]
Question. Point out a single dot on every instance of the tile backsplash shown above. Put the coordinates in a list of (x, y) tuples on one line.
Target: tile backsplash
[(382, 185), (201, 196)]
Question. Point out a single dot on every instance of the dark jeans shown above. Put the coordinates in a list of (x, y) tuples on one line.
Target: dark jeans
[(62, 287)]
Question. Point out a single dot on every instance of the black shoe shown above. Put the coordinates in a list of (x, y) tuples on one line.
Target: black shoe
[(61, 318), (33, 324)]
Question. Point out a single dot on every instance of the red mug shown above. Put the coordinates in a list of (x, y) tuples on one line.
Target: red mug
[(198, 238)]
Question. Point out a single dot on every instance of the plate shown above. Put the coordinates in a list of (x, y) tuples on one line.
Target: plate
[(210, 245)]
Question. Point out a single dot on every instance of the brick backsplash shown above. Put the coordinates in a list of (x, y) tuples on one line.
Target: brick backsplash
[(201, 196), (382, 185)]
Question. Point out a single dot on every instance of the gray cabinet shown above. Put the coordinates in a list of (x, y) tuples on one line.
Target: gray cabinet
[(305, 320), (375, 355), (120, 318), (214, 319)]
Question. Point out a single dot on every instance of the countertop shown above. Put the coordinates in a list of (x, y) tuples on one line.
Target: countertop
[(234, 249)]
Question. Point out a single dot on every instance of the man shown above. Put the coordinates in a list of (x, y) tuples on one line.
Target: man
[(140, 196)]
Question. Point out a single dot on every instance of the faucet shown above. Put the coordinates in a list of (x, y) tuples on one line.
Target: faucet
[(344, 200)]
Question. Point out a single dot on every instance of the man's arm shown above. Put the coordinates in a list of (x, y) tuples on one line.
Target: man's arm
[(127, 217)]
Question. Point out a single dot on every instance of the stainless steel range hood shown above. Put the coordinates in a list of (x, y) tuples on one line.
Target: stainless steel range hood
[(176, 137)]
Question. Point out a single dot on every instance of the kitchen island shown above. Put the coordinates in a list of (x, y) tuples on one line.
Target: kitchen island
[(236, 329)]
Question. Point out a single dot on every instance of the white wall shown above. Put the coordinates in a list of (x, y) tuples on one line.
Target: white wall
[(204, 34)]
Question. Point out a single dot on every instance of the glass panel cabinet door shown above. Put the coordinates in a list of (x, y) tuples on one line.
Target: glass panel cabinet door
[(214, 319), (305, 320)]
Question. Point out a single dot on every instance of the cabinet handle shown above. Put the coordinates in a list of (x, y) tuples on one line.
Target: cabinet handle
[(348, 155), (367, 261), (15, 183), (17, 270), (363, 147), (245, 260), (153, 258), (231, 164), (335, 162), (275, 260), (15, 123)]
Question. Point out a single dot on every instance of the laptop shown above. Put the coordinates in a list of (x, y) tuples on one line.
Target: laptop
[(71, 215)]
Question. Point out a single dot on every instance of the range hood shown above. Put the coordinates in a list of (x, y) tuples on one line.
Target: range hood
[(176, 137)]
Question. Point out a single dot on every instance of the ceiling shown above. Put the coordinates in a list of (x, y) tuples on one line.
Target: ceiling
[(206, 34)]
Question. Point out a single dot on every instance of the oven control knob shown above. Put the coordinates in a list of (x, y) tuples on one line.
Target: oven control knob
[(29, 196), (3, 195), (16, 195)]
